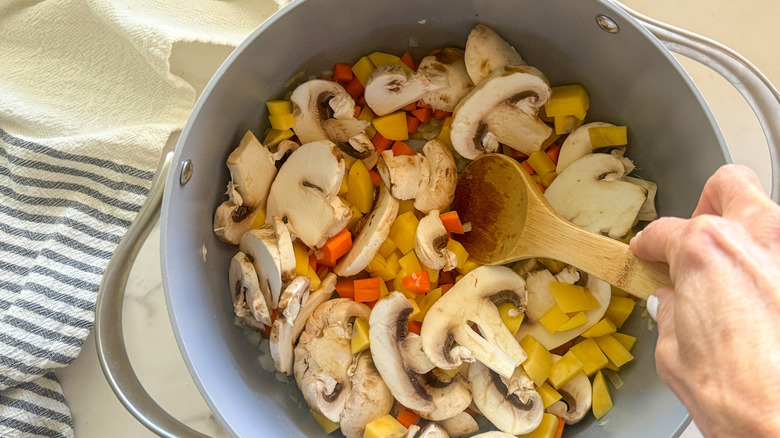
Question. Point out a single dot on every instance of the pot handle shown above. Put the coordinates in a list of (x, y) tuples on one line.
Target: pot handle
[(752, 84), (109, 337)]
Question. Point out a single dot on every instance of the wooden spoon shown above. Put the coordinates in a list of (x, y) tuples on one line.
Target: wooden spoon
[(511, 220)]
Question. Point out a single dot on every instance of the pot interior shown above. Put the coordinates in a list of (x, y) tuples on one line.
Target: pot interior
[(631, 81)]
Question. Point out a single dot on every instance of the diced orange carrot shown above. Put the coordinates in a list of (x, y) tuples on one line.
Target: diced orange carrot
[(527, 167), (267, 331), (423, 114), (371, 304), (441, 114), (313, 262), (412, 124), (358, 109), (414, 327), (375, 177), (401, 148), (559, 430), (381, 143), (553, 152), (407, 59), (420, 104), (361, 100), (354, 88), (411, 107), (342, 72), (367, 289), (407, 417), (451, 222), (417, 282), (434, 51), (334, 248), (445, 287), (345, 287)]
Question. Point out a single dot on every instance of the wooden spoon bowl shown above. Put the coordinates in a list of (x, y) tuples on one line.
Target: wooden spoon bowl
[(511, 220)]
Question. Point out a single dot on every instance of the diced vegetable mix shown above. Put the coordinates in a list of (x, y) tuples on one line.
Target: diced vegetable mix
[(374, 249)]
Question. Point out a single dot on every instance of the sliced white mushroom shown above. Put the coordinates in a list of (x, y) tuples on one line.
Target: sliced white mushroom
[(430, 243), (232, 220), (283, 150), (447, 336), (371, 235), (290, 302), (305, 193), (648, 211), (448, 69), (522, 90), (518, 129), (324, 110), (439, 191), (486, 51), (284, 242), (425, 393), (540, 297), (403, 174), (511, 404), (430, 430), (362, 148), (368, 400), (577, 145), (261, 245), (592, 194), (576, 400), (390, 88), (323, 356), (461, 424), (248, 298)]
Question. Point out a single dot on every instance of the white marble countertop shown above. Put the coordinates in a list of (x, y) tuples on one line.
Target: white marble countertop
[(749, 26)]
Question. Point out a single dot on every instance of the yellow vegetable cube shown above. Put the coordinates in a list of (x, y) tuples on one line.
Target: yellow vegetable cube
[(377, 263), (344, 186), (410, 263), (614, 350), (383, 291), (467, 266), (361, 188), (385, 426), (601, 328), (279, 107), (602, 401), (568, 100), (619, 310), (616, 291), (460, 253), (546, 428), (554, 266), (591, 356), (553, 319), (433, 276), (537, 364), (359, 340), (354, 221), (510, 316), (387, 247), (444, 133), (549, 394), (566, 124), (548, 178), (564, 370), (392, 126), (381, 58), (327, 425), (425, 302), (388, 269), (606, 136), (301, 259), (541, 163), (362, 69), (259, 220), (275, 136), (625, 340), (575, 321), (415, 308), (368, 115), (282, 122), (315, 280), (572, 298), (405, 205), (402, 231)]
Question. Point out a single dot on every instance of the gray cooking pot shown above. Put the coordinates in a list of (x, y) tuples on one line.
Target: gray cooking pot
[(632, 80)]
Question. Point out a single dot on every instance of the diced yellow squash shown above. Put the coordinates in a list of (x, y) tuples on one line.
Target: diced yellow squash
[(548, 178), (616, 291), (385, 426), (410, 263), (381, 58), (383, 290), (301, 259), (361, 188), (611, 366), (553, 319), (602, 401), (467, 266), (460, 253), (625, 340), (315, 280), (619, 310), (392, 126), (566, 124), (564, 370), (327, 425), (541, 163), (387, 247), (259, 220), (554, 266), (444, 133), (368, 115), (387, 270), (546, 428), (433, 276), (511, 316), (549, 394), (275, 136), (568, 100), (601, 328), (614, 350), (425, 301), (415, 308), (354, 221), (344, 186), (606, 136), (405, 205), (578, 320), (537, 364), (362, 69), (451, 373), (279, 107), (591, 356), (573, 298), (359, 340), (402, 231), (282, 122), (377, 263)]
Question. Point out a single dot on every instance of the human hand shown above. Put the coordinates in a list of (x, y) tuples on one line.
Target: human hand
[(719, 325)]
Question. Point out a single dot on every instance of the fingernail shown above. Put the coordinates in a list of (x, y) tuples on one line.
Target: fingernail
[(652, 306)]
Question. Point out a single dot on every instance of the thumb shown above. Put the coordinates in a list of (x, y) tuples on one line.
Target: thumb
[(666, 350)]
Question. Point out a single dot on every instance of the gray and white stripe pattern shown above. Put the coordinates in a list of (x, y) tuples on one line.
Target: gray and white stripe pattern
[(61, 217)]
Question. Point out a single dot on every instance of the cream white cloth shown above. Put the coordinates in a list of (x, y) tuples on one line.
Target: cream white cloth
[(87, 102)]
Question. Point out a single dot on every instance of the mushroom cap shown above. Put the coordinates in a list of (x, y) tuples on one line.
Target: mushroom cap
[(577, 145), (316, 101), (577, 397), (403, 174), (248, 298), (360, 147), (369, 399), (447, 336), (430, 243), (447, 68), (590, 192), (252, 171), (648, 211), (522, 87), (281, 342), (439, 191), (305, 193), (486, 51), (511, 404), (371, 235), (390, 88), (518, 129), (430, 430), (260, 245), (284, 242), (459, 425), (231, 221)]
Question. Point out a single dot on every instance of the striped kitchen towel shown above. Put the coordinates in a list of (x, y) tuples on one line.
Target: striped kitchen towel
[(87, 102)]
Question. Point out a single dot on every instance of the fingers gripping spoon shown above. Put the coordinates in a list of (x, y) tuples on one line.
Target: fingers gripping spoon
[(511, 220)]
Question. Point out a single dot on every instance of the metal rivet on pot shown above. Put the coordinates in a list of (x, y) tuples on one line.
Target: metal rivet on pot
[(607, 24), (186, 172)]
